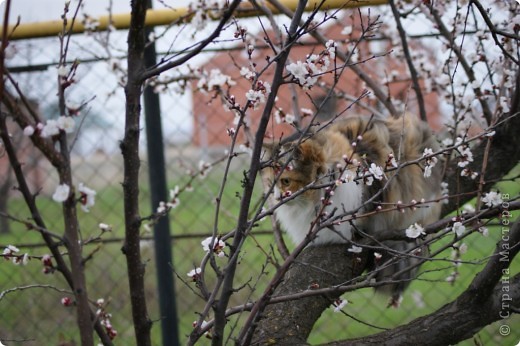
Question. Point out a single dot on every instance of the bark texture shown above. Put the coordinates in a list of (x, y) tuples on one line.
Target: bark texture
[(290, 323)]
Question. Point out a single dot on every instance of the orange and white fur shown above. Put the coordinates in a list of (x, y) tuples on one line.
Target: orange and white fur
[(317, 160)]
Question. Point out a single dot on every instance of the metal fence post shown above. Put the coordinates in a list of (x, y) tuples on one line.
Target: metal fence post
[(158, 188)]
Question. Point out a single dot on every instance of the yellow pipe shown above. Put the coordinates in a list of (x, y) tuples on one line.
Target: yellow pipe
[(161, 17)]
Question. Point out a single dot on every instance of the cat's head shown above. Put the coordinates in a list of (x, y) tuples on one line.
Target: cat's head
[(292, 167)]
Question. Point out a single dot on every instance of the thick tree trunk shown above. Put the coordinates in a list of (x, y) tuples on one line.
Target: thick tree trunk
[(290, 322)]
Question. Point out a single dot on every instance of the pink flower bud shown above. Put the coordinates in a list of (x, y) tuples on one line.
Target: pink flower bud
[(66, 301)]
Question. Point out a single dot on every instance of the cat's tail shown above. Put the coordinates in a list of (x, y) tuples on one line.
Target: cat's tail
[(398, 265)]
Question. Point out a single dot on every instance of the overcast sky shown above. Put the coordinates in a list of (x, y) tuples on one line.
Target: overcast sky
[(42, 10)]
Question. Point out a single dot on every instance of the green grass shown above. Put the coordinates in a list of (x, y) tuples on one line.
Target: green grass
[(37, 313)]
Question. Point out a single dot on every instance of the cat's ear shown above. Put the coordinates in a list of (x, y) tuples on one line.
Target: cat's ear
[(310, 151)]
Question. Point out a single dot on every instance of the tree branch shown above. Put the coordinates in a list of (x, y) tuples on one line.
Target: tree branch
[(131, 162), (406, 51), (480, 305), (290, 322)]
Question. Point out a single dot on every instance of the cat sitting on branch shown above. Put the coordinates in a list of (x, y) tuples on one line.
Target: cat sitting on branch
[(350, 180)]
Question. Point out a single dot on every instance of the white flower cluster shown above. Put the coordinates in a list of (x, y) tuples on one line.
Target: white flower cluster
[(172, 203), (204, 10), (204, 168), (308, 72), (52, 127), (247, 73), (281, 117), (87, 197), (466, 156), (11, 253), (430, 162), (214, 81), (258, 94)]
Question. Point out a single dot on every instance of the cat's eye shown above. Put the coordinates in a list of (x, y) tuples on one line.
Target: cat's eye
[(285, 181)]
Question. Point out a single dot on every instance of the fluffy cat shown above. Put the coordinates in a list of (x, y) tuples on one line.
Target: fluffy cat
[(356, 158)]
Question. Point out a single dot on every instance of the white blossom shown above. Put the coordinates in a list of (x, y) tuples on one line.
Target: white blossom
[(299, 71), (88, 197), (391, 160), (62, 193), (458, 228), (492, 199), (347, 30), (104, 227), (28, 130), (63, 71), (355, 249), (173, 203), (174, 192), (23, 260), (10, 250), (339, 304), (307, 73), (430, 162), (468, 208), (214, 81), (281, 117), (218, 246), (447, 142), (427, 171), (66, 124), (376, 171), (484, 231), (443, 80), (368, 179), (247, 73), (161, 208), (258, 94), (415, 231), (204, 168), (194, 273), (50, 129), (466, 156)]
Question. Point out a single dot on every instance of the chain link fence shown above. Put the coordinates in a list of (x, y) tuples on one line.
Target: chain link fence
[(194, 125)]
